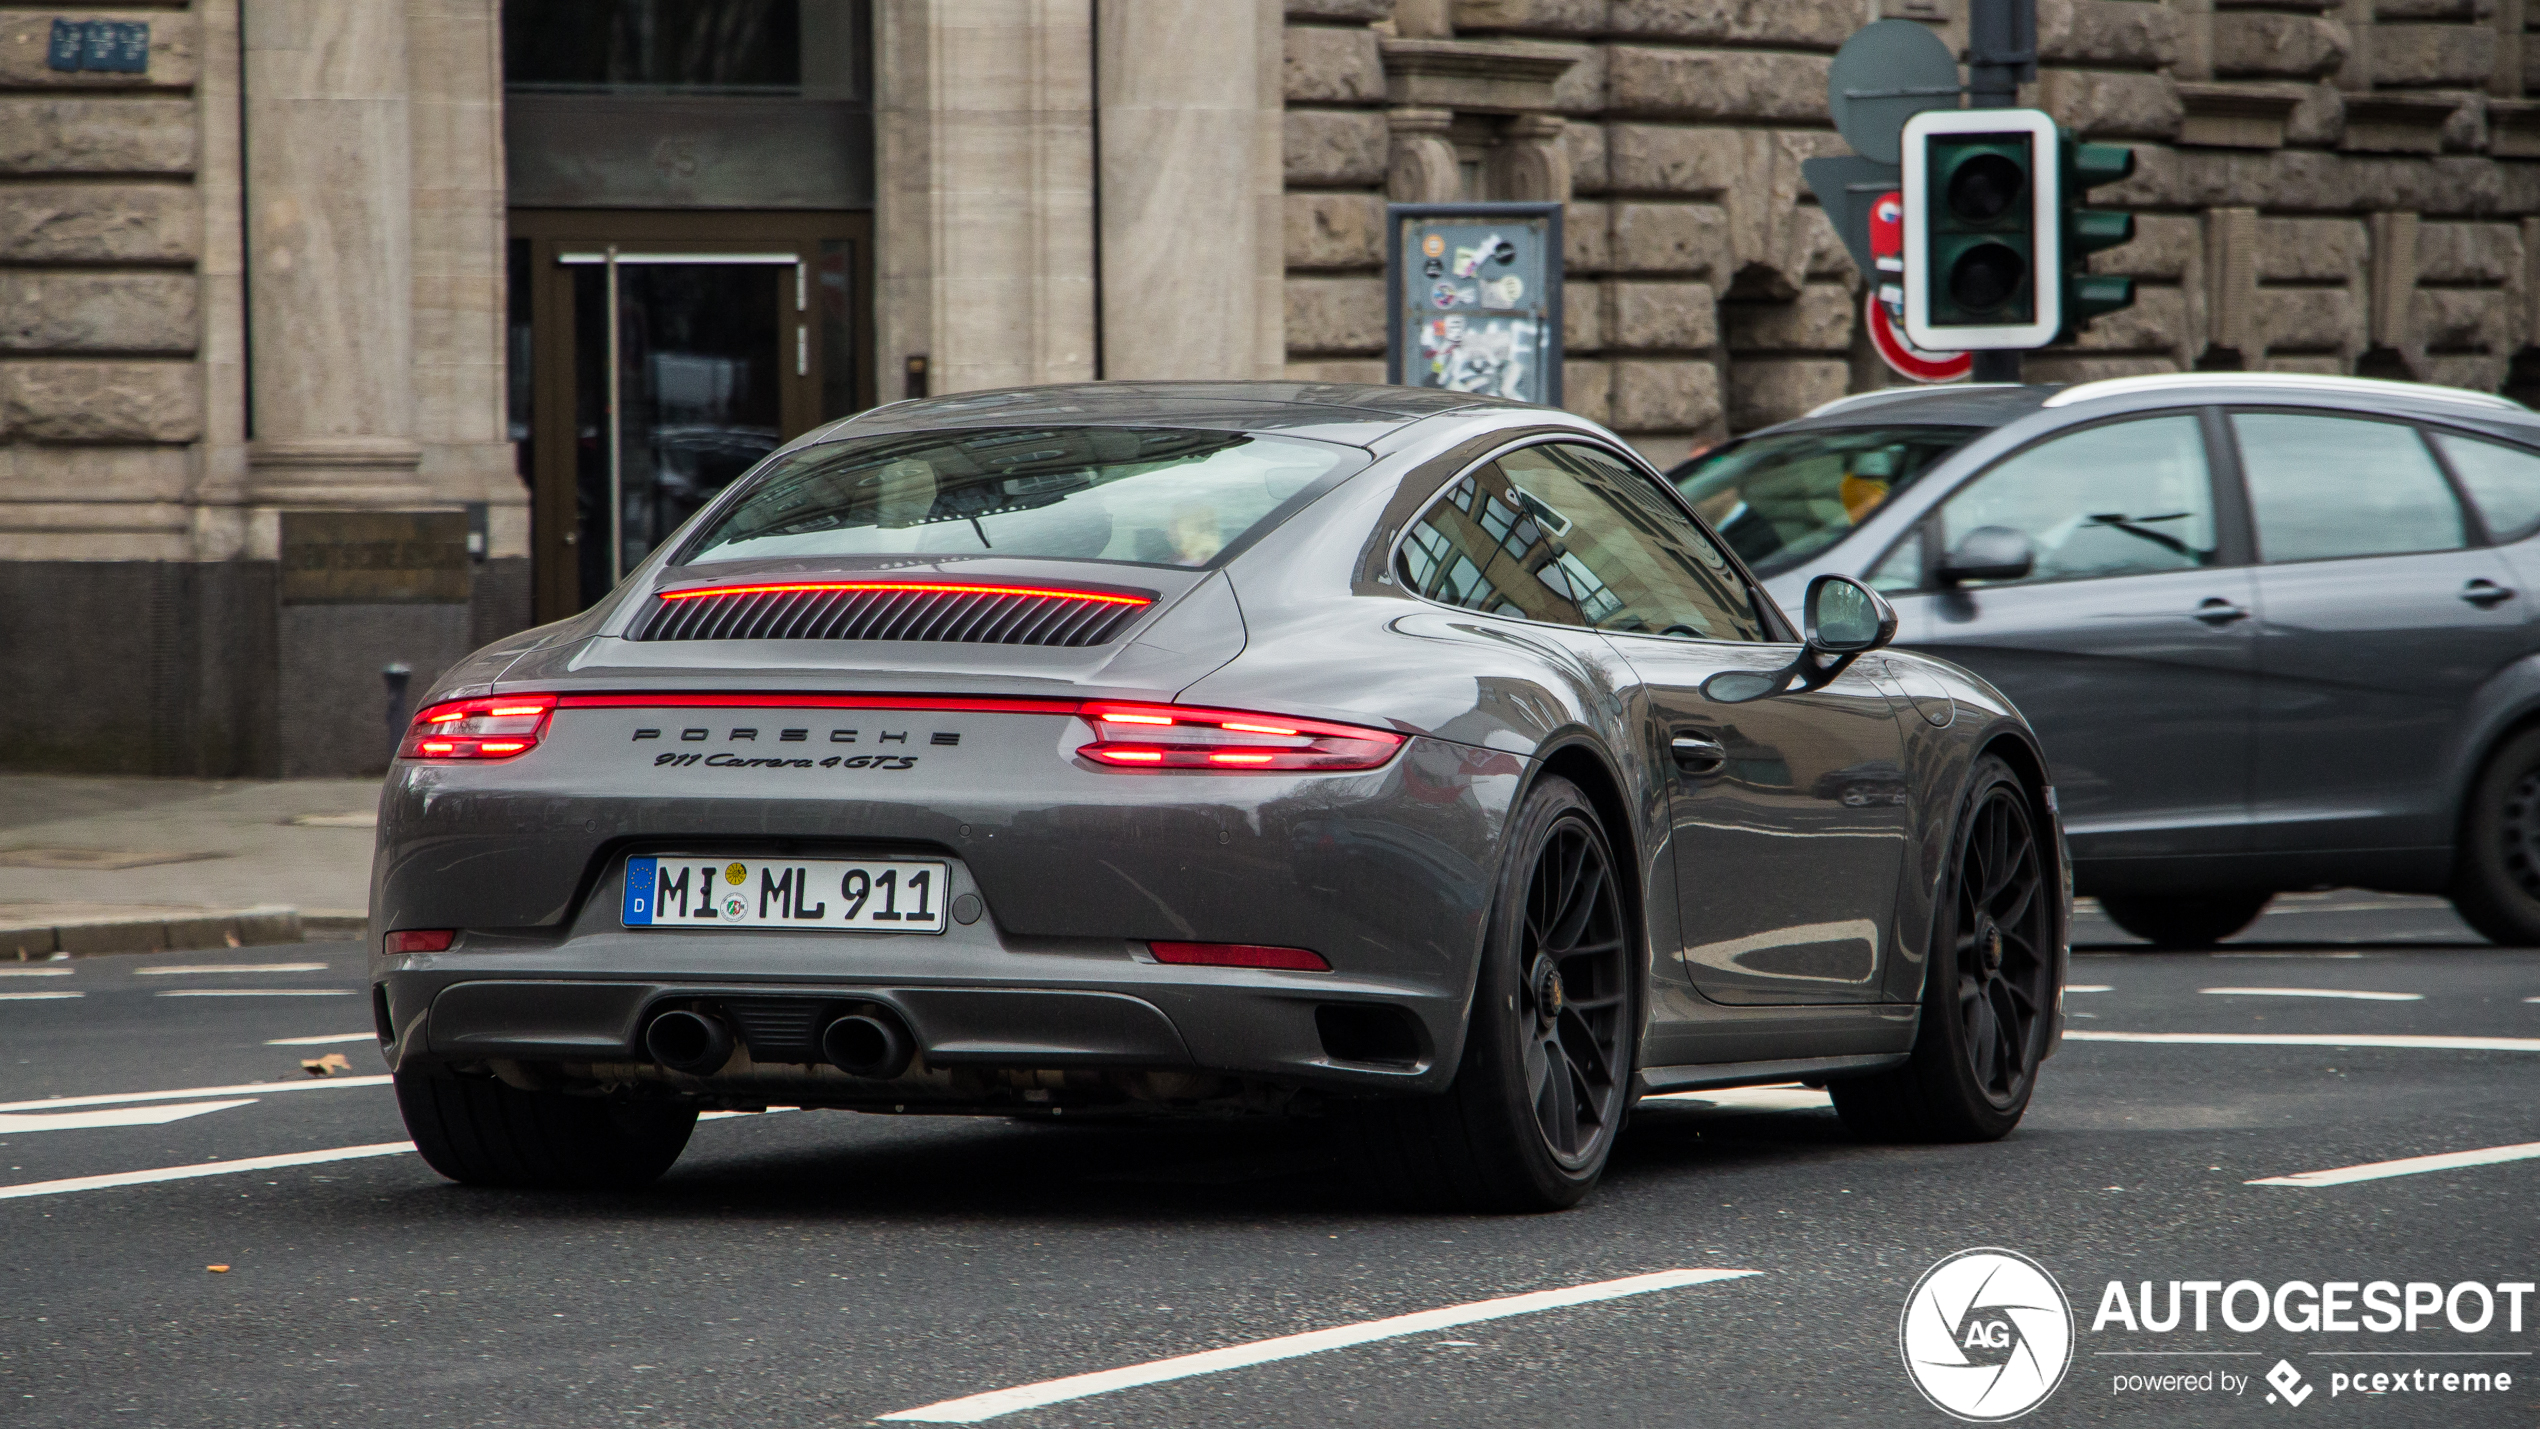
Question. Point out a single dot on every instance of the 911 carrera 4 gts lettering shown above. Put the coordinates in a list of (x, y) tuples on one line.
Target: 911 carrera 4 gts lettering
[(672, 760)]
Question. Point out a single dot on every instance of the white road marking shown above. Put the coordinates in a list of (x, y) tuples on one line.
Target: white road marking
[(2284, 955), (302, 1085), (323, 1041), (189, 969), (2312, 992), (257, 992), (207, 1168), (2088, 987), (1792, 1097), (10, 1125), (35, 972), (977, 1407), (2316, 1039), (2406, 1166), (38, 996)]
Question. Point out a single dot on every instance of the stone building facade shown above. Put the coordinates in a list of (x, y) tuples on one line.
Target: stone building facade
[(288, 394)]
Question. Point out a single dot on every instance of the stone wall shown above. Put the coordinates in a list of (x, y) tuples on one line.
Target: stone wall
[(2322, 186)]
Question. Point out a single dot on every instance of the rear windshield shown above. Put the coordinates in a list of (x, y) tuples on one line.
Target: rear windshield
[(1155, 496), (1777, 500)]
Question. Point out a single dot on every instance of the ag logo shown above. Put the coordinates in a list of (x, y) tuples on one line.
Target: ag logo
[(1986, 1335)]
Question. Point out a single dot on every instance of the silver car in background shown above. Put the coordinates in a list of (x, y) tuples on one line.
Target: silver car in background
[(2276, 631)]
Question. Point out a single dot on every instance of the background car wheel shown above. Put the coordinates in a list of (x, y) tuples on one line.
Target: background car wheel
[(2184, 920), (2496, 870), (1988, 984), (480, 1132), (1541, 1091)]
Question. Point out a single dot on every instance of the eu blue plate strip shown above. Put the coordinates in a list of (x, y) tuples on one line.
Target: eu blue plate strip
[(639, 892)]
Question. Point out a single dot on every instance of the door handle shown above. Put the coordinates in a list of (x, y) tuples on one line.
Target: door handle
[(2214, 610), (1697, 755), (2486, 594)]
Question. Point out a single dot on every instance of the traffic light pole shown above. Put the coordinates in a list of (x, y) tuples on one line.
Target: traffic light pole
[(2001, 51)]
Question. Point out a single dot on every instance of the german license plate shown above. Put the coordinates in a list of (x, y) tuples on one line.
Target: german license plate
[(829, 894)]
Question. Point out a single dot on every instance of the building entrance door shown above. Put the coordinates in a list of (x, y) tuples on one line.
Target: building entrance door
[(667, 354)]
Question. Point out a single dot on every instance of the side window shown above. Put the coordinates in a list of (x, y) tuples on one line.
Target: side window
[(2503, 482), (1480, 547), (1629, 555), (2325, 487), (2121, 499)]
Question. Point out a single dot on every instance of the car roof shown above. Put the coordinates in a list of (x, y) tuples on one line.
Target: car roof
[(1356, 413), (1955, 404), (1990, 405)]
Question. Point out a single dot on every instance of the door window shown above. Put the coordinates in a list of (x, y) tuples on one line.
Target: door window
[(2122, 499), (2323, 488), (2503, 482), (1630, 556)]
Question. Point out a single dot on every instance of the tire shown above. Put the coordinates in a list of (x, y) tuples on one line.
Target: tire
[(1989, 983), (2184, 920), (482, 1132), (1541, 1091), (2496, 869)]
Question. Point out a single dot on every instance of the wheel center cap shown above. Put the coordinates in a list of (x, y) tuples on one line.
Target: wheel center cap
[(1545, 983), (1991, 942)]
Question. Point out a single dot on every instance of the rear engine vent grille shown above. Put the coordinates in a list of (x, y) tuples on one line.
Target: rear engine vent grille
[(883, 610), (777, 1029)]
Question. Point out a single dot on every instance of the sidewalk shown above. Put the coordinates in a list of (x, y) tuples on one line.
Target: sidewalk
[(118, 865)]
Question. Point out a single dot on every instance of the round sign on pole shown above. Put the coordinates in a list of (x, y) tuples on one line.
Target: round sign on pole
[(1888, 337), (1887, 73)]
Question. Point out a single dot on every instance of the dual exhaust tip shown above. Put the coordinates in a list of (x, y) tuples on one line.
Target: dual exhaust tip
[(872, 1043)]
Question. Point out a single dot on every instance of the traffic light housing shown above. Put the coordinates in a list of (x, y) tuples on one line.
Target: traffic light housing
[(2088, 230), (1984, 230)]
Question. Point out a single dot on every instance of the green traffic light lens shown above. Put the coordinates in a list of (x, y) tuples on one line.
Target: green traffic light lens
[(1985, 187), (1986, 276)]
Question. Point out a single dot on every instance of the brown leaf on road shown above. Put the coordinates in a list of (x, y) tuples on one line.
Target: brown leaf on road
[(327, 1066)]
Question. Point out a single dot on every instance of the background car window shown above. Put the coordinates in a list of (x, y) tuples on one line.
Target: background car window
[(1628, 553), (1777, 500), (2503, 483), (2325, 487), (2114, 500), (1903, 569)]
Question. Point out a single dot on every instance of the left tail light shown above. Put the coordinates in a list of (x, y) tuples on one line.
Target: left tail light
[(497, 728), (1227, 741)]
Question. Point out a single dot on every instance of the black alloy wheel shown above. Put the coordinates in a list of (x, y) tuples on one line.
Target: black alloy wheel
[(1989, 982), (2496, 864), (2184, 920), (1544, 1082)]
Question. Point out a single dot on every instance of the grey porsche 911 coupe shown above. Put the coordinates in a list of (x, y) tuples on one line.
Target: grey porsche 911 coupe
[(1409, 760)]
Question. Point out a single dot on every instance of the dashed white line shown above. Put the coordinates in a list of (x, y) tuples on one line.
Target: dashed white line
[(2316, 1039), (207, 1168), (972, 1409), (191, 969), (2088, 987), (1777, 1098), (323, 1041), (35, 972), (257, 992), (305, 1084), (2406, 1166), (38, 996), (13, 1123), (2312, 992)]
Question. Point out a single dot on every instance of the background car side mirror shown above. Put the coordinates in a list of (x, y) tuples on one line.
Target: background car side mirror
[(1845, 617), (1988, 553)]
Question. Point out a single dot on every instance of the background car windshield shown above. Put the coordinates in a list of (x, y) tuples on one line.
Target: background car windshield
[(1161, 497), (1777, 500)]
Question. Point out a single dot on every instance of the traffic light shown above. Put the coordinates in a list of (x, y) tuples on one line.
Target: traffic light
[(2088, 230), (1984, 234)]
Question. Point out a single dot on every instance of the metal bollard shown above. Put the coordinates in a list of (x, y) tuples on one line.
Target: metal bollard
[(395, 675)]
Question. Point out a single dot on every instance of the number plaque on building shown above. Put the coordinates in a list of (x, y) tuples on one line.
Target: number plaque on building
[(1473, 297)]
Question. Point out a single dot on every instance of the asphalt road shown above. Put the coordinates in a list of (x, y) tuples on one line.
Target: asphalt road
[(827, 1268)]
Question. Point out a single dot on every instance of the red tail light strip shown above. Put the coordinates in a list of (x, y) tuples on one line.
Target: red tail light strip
[(1239, 955), (914, 587), (1126, 737)]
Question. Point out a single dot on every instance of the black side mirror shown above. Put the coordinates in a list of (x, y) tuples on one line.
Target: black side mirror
[(1845, 619), (1988, 553)]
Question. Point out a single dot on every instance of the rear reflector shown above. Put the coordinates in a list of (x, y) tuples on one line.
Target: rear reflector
[(1239, 955), (422, 940), (494, 728), (1228, 741)]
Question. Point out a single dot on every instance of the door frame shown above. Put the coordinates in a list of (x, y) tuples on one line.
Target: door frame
[(555, 577)]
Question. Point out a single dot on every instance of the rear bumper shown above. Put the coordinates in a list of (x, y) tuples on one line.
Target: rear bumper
[(968, 999)]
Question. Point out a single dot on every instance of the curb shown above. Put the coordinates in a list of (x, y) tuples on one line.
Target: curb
[(211, 928)]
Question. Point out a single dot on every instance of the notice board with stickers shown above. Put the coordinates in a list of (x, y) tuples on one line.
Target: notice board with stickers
[(1473, 296)]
